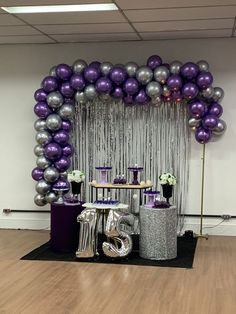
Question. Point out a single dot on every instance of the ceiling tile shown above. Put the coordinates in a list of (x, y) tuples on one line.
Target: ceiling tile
[(150, 4), (95, 37), (7, 19), (180, 14), (86, 28), (186, 34), (18, 30), (47, 2), (183, 25), (25, 39), (74, 18)]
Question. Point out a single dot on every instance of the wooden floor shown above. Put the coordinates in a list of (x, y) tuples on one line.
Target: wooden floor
[(60, 287)]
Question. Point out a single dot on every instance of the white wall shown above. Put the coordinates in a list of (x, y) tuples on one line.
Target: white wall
[(22, 68)]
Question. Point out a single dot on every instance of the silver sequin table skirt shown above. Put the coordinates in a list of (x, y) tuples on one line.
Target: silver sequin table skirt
[(158, 233)]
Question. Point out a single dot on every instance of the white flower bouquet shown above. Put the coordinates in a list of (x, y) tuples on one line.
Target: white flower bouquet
[(167, 178), (75, 176)]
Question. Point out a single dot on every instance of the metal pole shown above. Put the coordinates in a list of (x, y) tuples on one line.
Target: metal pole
[(202, 189)]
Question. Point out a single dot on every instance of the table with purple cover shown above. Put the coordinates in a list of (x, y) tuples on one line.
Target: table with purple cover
[(64, 227)]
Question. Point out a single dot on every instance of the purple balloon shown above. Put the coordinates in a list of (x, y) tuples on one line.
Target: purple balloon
[(64, 71), (189, 70), (62, 164), (174, 82), (66, 125), (66, 90), (61, 137), (190, 90), (154, 61), (117, 92), (37, 174), (118, 75), (77, 82), (210, 122), (131, 86), (215, 109), (91, 74), (61, 184), (40, 95), (204, 80), (176, 96), (49, 84), (197, 108), (202, 135), (129, 100), (103, 85), (68, 150), (95, 64), (142, 98), (52, 151), (42, 110)]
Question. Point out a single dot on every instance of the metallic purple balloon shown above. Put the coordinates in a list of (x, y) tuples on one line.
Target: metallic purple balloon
[(64, 71), (197, 108), (66, 125), (92, 74), (202, 135), (154, 61), (189, 70), (66, 90), (204, 80), (142, 98), (61, 184), (210, 122), (176, 96), (62, 164), (131, 86), (68, 150), (95, 64), (215, 109), (117, 92), (128, 100), (37, 174), (61, 137), (174, 82), (42, 110), (190, 90), (77, 82), (118, 75), (103, 85), (53, 151), (49, 84), (40, 95)]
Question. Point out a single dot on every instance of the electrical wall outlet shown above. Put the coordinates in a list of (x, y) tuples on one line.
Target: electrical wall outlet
[(6, 210), (226, 216)]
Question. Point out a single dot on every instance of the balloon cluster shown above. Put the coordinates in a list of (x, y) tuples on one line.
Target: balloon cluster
[(153, 83)]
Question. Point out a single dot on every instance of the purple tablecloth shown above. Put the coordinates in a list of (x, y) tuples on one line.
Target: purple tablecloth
[(64, 227)]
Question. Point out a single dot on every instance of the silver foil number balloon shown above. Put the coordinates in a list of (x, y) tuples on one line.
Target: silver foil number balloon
[(122, 244), (88, 235), (40, 125), (144, 75), (106, 68), (175, 67), (67, 111), (131, 68), (79, 66), (42, 187), (51, 197), (42, 162), (203, 66), (161, 74), (54, 99), (43, 137), (153, 89), (51, 174), (38, 150), (39, 200), (53, 122)]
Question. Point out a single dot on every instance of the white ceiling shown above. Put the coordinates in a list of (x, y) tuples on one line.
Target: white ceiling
[(135, 20)]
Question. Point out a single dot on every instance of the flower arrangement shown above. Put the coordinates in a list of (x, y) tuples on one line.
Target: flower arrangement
[(76, 176), (167, 178)]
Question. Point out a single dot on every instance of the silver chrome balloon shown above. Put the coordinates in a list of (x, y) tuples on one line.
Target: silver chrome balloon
[(220, 128), (194, 123), (131, 68), (88, 235), (203, 66), (67, 111), (51, 174), (42, 187), (38, 150), (166, 91), (55, 99), (40, 125), (52, 71), (43, 137), (80, 97), (175, 67), (156, 101), (161, 74), (106, 67), (79, 66), (42, 162), (144, 75), (208, 92), (90, 92), (51, 197), (153, 89), (218, 94), (39, 200), (53, 122)]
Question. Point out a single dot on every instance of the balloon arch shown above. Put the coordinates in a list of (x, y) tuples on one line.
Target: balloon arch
[(153, 84)]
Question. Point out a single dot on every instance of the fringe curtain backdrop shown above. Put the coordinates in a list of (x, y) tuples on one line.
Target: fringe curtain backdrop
[(112, 134)]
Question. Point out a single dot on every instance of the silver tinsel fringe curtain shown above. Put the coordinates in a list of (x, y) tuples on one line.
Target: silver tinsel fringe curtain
[(112, 134)]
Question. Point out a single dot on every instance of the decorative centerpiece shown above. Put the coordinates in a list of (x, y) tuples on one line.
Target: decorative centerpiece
[(76, 178), (103, 174), (61, 187), (120, 179), (160, 204), (136, 169), (151, 195), (167, 180)]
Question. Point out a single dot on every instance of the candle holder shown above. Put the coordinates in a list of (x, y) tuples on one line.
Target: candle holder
[(103, 174), (135, 170), (60, 193), (151, 196)]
